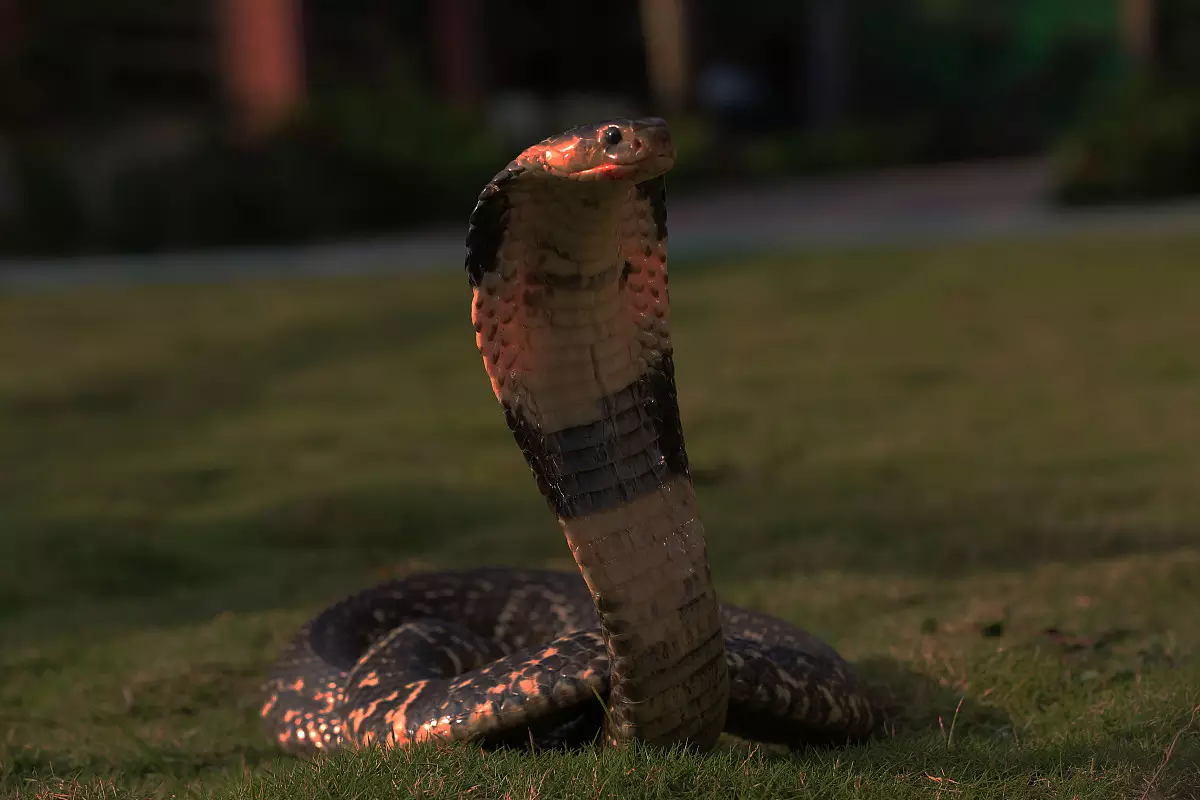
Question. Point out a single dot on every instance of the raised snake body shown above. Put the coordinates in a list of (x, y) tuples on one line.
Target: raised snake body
[(567, 260)]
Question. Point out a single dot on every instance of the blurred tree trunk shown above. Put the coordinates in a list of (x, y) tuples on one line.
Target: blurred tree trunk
[(665, 34), (826, 67), (1137, 28), (261, 61)]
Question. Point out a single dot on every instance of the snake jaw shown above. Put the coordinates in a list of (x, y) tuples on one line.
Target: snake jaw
[(643, 169)]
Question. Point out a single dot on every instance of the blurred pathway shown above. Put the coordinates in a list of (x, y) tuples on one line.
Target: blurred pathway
[(1001, 199)]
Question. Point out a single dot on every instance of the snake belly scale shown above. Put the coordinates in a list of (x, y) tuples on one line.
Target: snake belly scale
[(567, 263)]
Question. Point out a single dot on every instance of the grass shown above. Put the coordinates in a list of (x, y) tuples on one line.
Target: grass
[(972, 468)]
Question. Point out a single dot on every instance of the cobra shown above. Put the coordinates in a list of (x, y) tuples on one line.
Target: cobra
[(567, 263)]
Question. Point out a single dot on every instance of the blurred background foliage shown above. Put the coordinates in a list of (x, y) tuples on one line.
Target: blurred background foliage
[(379, 145), (352, 162), (1141, 140)]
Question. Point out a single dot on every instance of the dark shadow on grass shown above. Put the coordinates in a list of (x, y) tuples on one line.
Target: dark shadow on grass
[(300, 553), (915, 705), (879, 524), (941, 731), (204, 380)]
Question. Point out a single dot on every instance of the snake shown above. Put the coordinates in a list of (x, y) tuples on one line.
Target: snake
[(567, 264)]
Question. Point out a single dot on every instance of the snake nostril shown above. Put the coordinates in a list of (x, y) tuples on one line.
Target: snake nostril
[(638, 144)]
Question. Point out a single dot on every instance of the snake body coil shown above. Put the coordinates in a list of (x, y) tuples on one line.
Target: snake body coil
[(567, 260)]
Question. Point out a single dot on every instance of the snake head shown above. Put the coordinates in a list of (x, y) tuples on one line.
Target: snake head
[(619, 149)]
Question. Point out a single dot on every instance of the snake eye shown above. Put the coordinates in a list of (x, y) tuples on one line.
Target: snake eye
[(612, 136)]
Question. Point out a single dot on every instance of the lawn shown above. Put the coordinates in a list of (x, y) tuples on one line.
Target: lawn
[(972, 468)]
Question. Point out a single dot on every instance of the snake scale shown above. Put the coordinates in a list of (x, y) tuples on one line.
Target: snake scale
[(567, 261)]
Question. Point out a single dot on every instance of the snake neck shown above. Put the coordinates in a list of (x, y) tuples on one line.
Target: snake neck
[(574, 327), (647, 568)]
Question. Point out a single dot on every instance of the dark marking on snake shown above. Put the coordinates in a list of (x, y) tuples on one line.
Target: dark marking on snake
[(655, 191), (572, 282), (633, 449), (664, 407), (485, 232), (532, 297), (551, 247)]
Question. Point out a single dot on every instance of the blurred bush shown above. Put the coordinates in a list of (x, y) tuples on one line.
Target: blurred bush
[(1144, 144), (972, 78), (710, 153), (842, 149), (49, 216), (354, 162)]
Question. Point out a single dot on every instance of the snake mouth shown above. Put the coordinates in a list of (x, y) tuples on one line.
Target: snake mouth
[(641, 169)]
